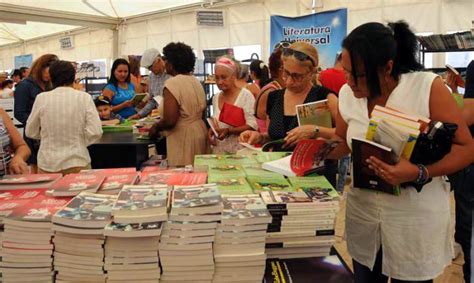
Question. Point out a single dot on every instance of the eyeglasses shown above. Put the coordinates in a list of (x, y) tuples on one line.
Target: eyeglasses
[(301, 56), (282, 45), (294, 76)]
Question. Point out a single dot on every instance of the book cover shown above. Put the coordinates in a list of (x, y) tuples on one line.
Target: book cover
[(141, 198), (285, 200), (314, 113), (225, 170), (195, 196), (241, 208), (234, 159), (39, 209), (154, 178), (138, 97), (133, 229), (231, 185), (73, 184), (232, 115), (257, 170), (328, 269), (364, 177), (86, 210), (112, 171), (14, 199), (185, 179), (28, 179), (263, 157), (261, 184), (208, 159), (317, 188), (115, 183)]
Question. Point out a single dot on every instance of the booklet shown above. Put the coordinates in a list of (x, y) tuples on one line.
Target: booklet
[(138, 97), (314, 113)]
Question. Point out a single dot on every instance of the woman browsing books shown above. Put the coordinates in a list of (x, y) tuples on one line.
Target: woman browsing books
[(227, 141), (184, 103), (120, 90), (407, 237), (300, 61)]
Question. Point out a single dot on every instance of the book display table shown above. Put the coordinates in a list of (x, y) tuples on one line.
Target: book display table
[(115, 150)]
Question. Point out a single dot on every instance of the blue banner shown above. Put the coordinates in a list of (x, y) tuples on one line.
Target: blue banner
[(324, 30), (23, 61)]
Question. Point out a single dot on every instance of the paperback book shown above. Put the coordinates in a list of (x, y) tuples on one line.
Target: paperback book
[(73, 184), (314, 113)]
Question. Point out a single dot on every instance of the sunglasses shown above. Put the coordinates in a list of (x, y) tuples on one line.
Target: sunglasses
[(301, 56), (282, 45)]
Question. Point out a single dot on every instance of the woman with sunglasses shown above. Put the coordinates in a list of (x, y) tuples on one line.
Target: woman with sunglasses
[(25, 94), (120, 90), (406, 238), (300, 61)]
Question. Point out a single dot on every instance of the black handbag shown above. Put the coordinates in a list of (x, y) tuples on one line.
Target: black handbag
[(433, 145)]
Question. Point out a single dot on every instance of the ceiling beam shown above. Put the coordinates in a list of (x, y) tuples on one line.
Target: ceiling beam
[(23, 13)]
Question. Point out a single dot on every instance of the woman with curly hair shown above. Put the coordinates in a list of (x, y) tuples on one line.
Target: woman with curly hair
[(184, 103)]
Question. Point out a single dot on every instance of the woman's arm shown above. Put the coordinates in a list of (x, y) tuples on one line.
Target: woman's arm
[(444, 108), (21, 150), (261, 106), (332, 104), (170, 114), (110, 94), (33, 125)]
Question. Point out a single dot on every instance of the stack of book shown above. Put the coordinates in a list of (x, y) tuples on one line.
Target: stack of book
[(239, 248), (115, 179), (230, 179), (301, 226), (27, 248), (138, 215), (28, 181), (186, 252), (79, 228)]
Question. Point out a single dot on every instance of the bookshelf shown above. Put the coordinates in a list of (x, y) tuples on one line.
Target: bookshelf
[(444, 43)]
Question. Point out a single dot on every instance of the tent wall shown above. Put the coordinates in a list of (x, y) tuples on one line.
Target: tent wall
[(245, 24)]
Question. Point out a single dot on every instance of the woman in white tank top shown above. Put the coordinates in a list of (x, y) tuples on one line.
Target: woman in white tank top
[(407, 237)]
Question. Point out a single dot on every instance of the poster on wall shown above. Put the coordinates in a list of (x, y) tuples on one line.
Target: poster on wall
[(23, 61), (324, 30)]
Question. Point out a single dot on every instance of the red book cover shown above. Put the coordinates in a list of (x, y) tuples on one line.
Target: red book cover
[(114, 183), (112, 171), (39, 209), (308, 155), (73, 184), (13, 199), (28, 181), (232, 115), (155, 178), (184, 179)]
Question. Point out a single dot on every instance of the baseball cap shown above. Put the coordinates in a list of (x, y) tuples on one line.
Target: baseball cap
[(149, 57)]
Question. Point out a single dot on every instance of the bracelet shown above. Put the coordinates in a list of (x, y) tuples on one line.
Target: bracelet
[(423, 174)]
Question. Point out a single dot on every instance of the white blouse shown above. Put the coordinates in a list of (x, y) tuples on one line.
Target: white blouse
[(412, 229), (246, 101), (66, 121)]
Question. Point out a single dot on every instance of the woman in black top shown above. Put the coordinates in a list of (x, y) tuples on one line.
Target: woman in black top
[(300, 61)]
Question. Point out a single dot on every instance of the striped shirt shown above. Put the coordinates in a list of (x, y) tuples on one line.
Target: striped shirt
[(66, 121), (156, 85), (5, 149)]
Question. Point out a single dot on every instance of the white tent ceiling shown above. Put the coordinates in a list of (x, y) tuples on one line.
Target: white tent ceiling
[(27, 19)]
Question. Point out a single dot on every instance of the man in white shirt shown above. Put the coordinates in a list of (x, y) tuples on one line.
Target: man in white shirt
[(66, 121)]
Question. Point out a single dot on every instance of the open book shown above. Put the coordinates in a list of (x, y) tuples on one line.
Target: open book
[(314, 113), (307, 158), (138, 97)]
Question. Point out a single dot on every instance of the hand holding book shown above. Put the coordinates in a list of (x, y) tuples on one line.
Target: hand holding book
[(394, 174), (299, 133)]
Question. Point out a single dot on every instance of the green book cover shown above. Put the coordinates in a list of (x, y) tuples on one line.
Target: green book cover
[(318, 188), (257, 170), (263, 157), (231, 185), (275, 183), (234, 159), (225, 170), (208, 159)]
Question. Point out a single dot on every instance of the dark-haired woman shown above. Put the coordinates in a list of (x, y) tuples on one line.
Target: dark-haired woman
[(25, 94), (407, 237), (120, 90), (66, 122), (259, 75), (184, 102)]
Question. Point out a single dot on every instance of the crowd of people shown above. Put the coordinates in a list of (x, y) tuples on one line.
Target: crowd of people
[(405, 238)]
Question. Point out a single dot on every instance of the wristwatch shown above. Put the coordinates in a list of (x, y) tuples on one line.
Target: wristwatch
[(316, 131)]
